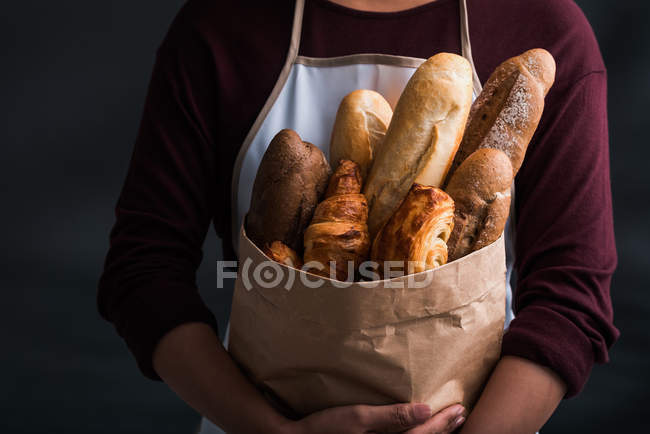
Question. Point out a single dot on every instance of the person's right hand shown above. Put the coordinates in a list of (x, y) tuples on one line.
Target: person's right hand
[(397, 418)]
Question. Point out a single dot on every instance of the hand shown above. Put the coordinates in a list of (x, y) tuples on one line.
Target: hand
[(192, 361), (366, 419)]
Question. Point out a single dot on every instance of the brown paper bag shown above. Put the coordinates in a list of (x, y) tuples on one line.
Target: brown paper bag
[(433, 337)]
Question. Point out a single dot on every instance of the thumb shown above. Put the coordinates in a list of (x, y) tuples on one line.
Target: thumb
[(443, 422), (397, 417)]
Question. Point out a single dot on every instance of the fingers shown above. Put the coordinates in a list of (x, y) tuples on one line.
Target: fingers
[(443, 422), (393, 418)]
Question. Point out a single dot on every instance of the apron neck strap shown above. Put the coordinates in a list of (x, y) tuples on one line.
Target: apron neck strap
[(466, 45), (296, 31)]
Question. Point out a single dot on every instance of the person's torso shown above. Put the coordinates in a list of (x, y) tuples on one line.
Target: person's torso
[(248, 46), (331, 31)]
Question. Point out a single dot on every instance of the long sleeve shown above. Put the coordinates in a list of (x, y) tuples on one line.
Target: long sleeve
[(565, 248), (167, 203)]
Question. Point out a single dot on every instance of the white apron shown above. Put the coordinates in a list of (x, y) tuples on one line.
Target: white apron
[(305, 99)]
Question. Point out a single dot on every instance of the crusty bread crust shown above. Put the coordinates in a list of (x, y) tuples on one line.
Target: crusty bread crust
[(423, 135), (291, 179), (508, 110), (361, 123), (481, 192)]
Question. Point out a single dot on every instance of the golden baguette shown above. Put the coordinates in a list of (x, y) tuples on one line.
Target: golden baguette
[(423, 135), (359, 129)]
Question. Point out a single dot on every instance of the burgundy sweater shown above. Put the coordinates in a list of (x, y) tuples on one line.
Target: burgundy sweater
[(214, 71)]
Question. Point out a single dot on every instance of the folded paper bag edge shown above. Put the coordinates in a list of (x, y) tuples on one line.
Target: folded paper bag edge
[(373, 304)]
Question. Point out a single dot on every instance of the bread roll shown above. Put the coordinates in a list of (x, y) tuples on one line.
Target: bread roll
[(418, 231), (481, 191), (507, 112), (361, 122), (289, 183), (279, 252), (423, 135), (338, 232)]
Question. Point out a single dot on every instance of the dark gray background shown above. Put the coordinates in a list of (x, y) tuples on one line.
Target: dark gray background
[(73, 82)]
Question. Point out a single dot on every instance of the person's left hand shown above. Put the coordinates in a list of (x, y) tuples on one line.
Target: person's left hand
[(443, 422)]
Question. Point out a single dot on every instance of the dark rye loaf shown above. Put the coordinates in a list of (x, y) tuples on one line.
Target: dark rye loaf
[(291, 179)]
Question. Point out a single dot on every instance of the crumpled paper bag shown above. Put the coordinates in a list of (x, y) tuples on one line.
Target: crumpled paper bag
[(433, 337)]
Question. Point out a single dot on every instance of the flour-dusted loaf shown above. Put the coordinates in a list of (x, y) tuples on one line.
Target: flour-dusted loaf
[(361, 122), (508, 110), (423, 135), (291, 179), (481, 192)]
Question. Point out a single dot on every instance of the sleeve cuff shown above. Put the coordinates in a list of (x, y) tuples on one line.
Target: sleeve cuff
[(151, 312), (549, 339)]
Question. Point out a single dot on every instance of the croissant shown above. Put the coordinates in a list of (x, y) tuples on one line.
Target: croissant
[(417, 232), (338, 231), (280, 252)]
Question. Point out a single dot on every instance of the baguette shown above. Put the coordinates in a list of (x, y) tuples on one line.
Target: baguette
[(508, 110), (423, 135), (481, 192), (361, 122)]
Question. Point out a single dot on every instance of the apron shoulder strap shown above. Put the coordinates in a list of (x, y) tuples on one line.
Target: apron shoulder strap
[(296, 31), (466, 45)]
